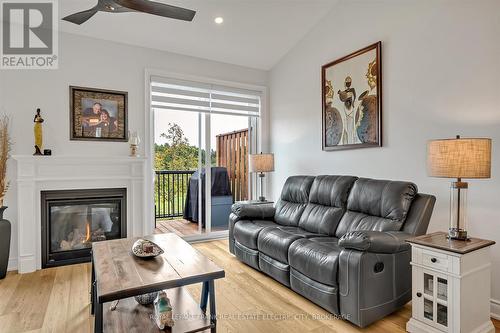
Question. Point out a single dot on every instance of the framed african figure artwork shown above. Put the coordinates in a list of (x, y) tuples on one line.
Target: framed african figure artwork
[(352, 100), (97, 114)]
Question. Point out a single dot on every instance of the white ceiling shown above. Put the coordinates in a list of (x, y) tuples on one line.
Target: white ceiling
[(255, 33)]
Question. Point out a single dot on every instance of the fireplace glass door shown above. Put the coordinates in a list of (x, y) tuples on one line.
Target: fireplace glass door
[(73, 219), (76, 226)]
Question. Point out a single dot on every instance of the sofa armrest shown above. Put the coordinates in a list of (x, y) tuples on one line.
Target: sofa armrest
[(250, 211), (376, 241)]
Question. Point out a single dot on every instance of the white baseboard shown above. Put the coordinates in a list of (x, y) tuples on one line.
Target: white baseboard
[(12, 265), (495, 309)]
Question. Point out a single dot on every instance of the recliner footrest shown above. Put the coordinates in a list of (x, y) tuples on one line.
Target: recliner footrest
[(248, 256), (278, 270), (321, 294)]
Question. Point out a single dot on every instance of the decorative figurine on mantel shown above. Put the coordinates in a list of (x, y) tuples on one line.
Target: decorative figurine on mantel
[(37, 128), (163, 311)]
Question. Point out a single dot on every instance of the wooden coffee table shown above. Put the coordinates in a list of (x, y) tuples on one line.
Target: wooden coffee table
[(118, 275)]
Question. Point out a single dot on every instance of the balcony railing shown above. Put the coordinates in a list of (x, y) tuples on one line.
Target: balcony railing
[(171, 185), (170, 192)]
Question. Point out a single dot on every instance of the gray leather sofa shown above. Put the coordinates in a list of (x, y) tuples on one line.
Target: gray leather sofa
[(337, 240)]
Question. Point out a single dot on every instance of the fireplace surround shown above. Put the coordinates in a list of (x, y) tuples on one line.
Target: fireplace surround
[(35, 174), (73, 219)]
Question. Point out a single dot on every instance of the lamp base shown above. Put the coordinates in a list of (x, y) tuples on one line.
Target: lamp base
[(457, 234)]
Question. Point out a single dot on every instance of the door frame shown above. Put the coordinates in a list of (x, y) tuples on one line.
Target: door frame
[(262, 141)]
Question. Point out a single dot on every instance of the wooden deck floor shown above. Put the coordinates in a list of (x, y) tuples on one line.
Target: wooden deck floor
[(180, 227), (57, 300)]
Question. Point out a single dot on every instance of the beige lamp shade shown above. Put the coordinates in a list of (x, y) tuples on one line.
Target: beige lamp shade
[(459, 158), (261, 163)]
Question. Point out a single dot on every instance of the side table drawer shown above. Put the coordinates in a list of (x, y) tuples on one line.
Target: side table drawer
[(432, 259), (435, 260)]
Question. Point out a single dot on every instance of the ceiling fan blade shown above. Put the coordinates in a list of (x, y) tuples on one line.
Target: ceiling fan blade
[(159, 9), (80, 17)]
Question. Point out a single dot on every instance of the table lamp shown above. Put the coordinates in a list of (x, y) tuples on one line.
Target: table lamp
[(459, 158), (261, 163)]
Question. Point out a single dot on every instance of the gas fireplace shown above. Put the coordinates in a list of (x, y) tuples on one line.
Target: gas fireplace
[(73, 219)]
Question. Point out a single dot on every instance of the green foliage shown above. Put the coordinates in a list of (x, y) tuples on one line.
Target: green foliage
[(179, 155)]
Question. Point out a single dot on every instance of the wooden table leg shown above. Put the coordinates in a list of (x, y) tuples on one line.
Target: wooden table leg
[(213, 314), (204, 297), (98, 319)]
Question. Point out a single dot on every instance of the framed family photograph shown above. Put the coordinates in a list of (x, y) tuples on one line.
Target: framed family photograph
[(98, 114), (352, 100)]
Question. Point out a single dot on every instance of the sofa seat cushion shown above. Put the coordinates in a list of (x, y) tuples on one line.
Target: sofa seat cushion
[(275, 242), (299, 232), (316, 258), (246, 232)]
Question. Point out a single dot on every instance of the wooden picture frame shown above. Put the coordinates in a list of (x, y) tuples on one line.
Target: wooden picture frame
[(352, 100), (98, 114)]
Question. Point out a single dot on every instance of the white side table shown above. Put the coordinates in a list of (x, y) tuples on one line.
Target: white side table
[(451, 285)]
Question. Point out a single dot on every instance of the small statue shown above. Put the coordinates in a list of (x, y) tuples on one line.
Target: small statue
[(163, 311), (37, 128)]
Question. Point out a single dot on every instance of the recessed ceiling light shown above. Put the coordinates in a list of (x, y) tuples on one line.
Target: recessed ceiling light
[(219, 20)]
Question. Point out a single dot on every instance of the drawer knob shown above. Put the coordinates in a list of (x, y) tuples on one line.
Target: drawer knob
[(434, 259), (419, 294)]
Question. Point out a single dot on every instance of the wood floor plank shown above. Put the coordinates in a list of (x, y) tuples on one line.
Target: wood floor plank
[(7, 288), (30, 299), (57, 300)]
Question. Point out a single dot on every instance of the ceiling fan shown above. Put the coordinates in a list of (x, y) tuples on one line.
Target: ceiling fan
[(121, 6)]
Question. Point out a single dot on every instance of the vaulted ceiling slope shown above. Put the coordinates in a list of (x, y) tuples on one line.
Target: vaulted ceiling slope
[(255, 33)]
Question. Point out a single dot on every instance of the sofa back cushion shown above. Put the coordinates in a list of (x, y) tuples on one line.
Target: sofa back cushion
[(327, 204), (293, 200), (377, 205)]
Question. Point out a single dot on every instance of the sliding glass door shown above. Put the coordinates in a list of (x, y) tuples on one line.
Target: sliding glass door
[(203, 136)]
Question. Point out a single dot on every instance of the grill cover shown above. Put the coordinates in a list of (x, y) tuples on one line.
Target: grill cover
[(220, 187)]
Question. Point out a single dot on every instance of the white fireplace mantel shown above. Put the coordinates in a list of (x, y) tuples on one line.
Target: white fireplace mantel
[(40, 173)]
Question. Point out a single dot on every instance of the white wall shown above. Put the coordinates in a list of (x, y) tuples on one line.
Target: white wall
[(441, 77), (91, 63)]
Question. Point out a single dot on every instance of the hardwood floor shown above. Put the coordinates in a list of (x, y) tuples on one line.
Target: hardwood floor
[(56, 300)]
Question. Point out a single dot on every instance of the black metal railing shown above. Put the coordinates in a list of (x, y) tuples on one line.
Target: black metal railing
[(170, 192)]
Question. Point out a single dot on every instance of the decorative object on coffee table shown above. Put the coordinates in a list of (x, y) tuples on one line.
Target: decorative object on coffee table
[(459, 158), (38, 131), (163, 311), (134, 141), (98, 114), (5, 226), (144, 248), (261, 163), (146, 299), (450, 284), (352, 100)]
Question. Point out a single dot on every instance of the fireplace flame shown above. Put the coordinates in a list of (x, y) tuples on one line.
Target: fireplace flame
[(87, 237)]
